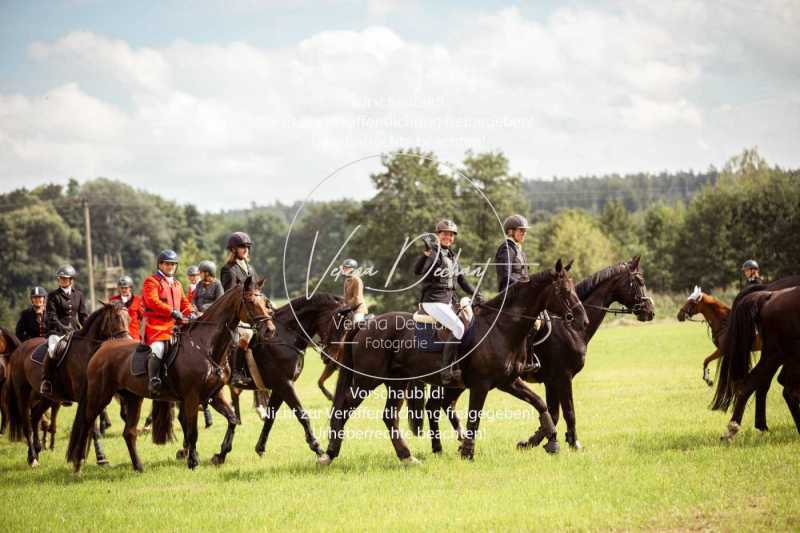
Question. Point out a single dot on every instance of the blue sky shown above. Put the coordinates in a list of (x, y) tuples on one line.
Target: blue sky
[(178, 97)]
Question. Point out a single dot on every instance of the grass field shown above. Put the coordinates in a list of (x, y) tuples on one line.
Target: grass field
[(652, 460)]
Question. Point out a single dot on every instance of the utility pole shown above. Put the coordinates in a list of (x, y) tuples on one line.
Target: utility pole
[(88, 229)]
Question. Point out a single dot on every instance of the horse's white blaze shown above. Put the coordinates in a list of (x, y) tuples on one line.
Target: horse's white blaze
[(696, 294)]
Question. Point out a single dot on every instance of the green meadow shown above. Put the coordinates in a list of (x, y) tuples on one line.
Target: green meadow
[(652, 460)]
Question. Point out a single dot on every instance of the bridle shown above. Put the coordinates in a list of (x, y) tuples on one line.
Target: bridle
[(568, 317), (640, 298), (256, 320)]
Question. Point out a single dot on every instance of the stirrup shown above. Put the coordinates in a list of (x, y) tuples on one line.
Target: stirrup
[(154, 386), (239, 379), (46, 388)]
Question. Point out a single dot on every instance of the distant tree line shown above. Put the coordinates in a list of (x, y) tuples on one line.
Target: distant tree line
[(689, 228)]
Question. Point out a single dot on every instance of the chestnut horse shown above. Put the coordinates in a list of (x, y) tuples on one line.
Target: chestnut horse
[(26, 405), (384, 352), (196, 376), (8, 343)]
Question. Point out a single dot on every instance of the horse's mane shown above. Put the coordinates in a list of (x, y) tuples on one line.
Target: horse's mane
[(101, 313), (513, 290), (299, 305), (212, 313), (585, 287)]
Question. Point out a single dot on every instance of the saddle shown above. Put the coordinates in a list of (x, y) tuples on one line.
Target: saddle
[(142, 352), (39, 353), (431, 336)]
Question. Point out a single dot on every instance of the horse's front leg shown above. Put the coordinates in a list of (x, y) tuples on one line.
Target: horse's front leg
[(219, 403), (327, 372), (547, 428), (759, 377), (568, 406), (391, 414), (274, 404), (289, 395), (181, 454), (706, 373), (477, 398), (190, 409)]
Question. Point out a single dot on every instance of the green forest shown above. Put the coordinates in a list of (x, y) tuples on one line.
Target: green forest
[(689, 228)]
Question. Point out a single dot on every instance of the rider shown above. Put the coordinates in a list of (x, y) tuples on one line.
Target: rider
[(751, 272), (66, 312), (31, 323), (353, 289), (512, 266), (193, 274), (441, 270), (133, 304), (235, 271), (510, 260), (208, 289), (165, 305)]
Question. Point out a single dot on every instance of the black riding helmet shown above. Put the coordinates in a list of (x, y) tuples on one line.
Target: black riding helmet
[(207, 266), (66, 271), (193, 270), (750, 263), (446, 225), (239, 238), (168, 256), (515, 222), (38, 291)]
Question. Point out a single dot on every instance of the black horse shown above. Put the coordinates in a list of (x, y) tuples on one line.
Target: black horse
[(385, 351), (562, 350), (279, 360)]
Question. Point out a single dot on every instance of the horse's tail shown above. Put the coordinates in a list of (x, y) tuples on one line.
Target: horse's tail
[(16, 409), (735, 362), (415, 401), (163, 417), (81, 431)]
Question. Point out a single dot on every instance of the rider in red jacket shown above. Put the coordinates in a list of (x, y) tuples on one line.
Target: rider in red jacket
[(165, 305), (132, 303)]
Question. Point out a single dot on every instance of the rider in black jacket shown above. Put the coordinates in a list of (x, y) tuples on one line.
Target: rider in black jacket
[(235, 272), (31, 323), (439, 265)]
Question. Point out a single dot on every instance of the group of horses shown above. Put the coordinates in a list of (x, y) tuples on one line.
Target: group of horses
[(98, 364)]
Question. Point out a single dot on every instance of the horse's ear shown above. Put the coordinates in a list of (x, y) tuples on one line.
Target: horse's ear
[(248, 283), (260, 283), (101, 302), (634, 265), (559, 266), (569, 265)]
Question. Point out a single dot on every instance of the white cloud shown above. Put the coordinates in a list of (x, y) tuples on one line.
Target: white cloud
[(581, 91)]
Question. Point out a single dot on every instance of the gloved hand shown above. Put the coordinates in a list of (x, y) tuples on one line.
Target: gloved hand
[(192, 316), (478, 299), (177, 315)]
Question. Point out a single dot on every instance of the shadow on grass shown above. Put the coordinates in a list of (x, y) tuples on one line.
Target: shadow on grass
[(694, 440)]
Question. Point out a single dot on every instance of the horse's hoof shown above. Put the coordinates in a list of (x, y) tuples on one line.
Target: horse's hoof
[(260, 452), (710, 382), (732, 430), (35, 463), (138, 469), (552, 446), (410, 461), (217, 460), (436, 449), (180, 455), (763, 429), (324, 460), (262, 412), (577, 446), (103, 462), (524, 445)]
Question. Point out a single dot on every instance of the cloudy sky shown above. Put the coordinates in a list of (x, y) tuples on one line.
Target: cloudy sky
[(221, 103)]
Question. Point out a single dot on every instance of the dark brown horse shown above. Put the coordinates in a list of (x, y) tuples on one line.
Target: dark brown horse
[(26, 405), (8, 343), (196, 376), (776, 314), (385, 352), (279, 360), (562, 351)]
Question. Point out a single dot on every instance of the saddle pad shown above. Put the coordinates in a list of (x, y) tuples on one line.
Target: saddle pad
[(426, 337), (142, 352), (139, 360), (39, 353)]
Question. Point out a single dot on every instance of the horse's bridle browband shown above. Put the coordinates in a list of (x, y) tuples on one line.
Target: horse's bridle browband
[(640, 298)]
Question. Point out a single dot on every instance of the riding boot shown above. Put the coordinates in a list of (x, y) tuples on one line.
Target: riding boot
[(207, 416), (451, 374), (46, 388), (154, 375), (239, 377), (532, 363)]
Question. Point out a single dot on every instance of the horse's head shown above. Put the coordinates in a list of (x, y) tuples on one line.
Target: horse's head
[(631, 292), (255, 308), (113, 320), (562, 299), (691, 307)]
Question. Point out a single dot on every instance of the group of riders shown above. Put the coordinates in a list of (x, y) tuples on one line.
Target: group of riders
[(163, 304)]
